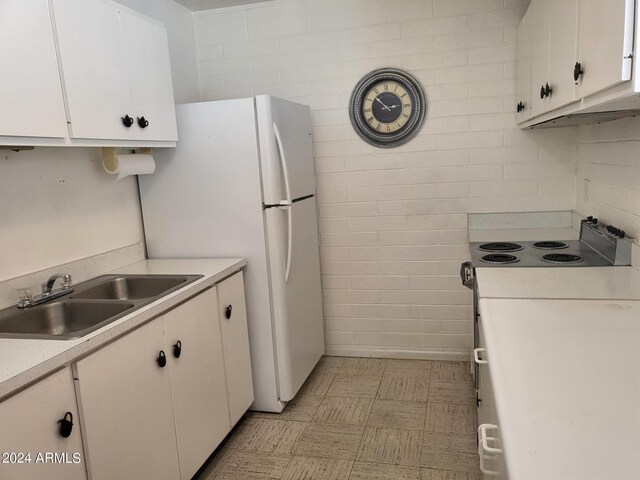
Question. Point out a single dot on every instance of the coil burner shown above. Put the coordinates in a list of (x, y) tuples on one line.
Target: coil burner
[(561, 258), (500, 247), (549, 245), (500, 258)]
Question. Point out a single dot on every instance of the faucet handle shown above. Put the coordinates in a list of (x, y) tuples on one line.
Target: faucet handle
[(66, 281), (26, 298), (45, 289)]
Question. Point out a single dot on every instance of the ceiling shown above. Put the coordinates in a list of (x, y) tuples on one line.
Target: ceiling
[(196, 5)]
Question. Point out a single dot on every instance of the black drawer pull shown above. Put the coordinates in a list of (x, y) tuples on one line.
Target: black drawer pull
[(227, 311), (162, 359), (177, 349)]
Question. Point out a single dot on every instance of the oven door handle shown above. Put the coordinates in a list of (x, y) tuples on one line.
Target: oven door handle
[(465, 274)]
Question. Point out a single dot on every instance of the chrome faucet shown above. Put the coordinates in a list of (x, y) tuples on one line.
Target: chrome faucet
[(48, 293)]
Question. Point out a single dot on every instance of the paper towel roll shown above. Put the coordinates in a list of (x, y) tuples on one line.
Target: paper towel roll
[(129, 164)]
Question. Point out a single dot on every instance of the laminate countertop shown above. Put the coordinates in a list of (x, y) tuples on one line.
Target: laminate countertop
[(614, 283), (566, 385), (23, 361)]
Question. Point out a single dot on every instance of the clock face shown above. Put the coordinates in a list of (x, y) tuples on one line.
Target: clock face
[(387, 108)]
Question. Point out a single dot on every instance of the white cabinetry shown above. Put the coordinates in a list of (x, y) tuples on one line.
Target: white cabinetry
[(30, 425), (115, 65), (158, 400), (523, 70), (31, 102), (605, 44), (578, 57), (125, 399), (235, 338)]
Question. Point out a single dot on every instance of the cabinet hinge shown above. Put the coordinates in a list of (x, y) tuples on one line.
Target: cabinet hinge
[(628, 56)]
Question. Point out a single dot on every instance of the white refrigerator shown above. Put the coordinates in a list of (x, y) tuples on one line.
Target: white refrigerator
[(241, 184)]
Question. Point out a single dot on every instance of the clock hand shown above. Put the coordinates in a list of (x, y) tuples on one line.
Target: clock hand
[(393, 106), (382, 103)]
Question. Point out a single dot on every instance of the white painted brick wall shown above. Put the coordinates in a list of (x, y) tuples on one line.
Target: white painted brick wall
[(609, 159), (393, 222)]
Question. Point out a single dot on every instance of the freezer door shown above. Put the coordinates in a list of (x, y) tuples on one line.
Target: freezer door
[(297, 301), (286, 149)]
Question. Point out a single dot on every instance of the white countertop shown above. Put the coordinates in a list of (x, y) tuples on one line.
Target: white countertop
[(23, 361), (616, 283), (566, 385)]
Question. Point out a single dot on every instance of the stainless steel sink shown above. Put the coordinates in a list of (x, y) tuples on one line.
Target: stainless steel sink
[(62, 319), (132, 288), (94, 304)]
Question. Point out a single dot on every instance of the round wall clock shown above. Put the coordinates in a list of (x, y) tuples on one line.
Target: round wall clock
[(387, 107)]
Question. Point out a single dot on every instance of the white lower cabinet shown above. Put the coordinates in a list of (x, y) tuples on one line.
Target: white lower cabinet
[(156, 403), (125, 401), (29, 425), (235, 338)]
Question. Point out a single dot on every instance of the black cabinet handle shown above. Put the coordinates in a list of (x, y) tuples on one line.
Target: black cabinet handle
[(227, 311), (127, 121), (548, 90), (66, 425), (177, 349), (142, 122), (162, 359), (520, 107), (577, 71), (542, 92)]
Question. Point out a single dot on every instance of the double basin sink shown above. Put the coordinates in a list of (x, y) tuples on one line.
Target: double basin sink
[(92, 305)]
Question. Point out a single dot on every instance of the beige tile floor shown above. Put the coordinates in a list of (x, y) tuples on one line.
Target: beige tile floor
[(362, 419)]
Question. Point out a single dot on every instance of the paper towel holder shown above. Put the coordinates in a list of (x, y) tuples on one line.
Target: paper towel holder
[(109, 160)]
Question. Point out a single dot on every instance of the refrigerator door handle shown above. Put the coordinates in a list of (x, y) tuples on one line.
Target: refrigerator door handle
[(286, 203), (283, 162)]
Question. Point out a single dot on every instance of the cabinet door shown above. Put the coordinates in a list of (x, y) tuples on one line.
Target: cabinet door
[(96, 81), (523, 70), (605, 44), (30, 425), (563, 34), (149, 69), (197, 380), (540, 55), (235, 336), (30, 90), (125, 401)]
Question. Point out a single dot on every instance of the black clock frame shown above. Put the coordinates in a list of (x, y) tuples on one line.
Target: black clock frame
[(416, 118)]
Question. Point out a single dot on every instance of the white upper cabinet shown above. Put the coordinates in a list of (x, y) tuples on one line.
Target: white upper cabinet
[(523, 71), (563, 27), (553, 25), (115, 65), (605, 44), (150, 78), (578, 55), (31, 103)]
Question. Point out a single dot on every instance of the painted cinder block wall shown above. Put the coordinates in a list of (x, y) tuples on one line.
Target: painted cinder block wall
[(393, 222)]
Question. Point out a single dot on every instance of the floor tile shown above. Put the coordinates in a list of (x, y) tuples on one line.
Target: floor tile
[(430, 474), (365, 386), (253, 466), (363, 366), (301, 409), (408, 388), (215, 464), (270, 436), (398, 414), (344, 410), (452, 392), (451, 372), (408, 368), (330, 441), (450, 418), (317, 384), (390, 445), (316, 468), (329, 364), (379, 471), (451, 461), (449, 443)]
